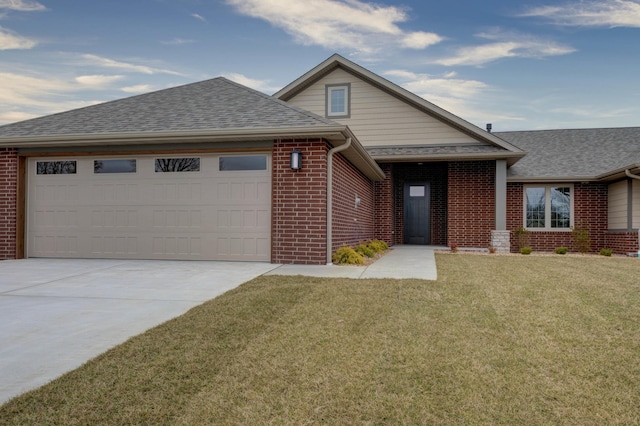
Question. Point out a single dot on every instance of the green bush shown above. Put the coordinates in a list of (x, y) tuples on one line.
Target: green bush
[(522, 237), (347, 256), (365, 250), (378, 245), (526, 250), (606, 252), (561, 250), (581, 237)]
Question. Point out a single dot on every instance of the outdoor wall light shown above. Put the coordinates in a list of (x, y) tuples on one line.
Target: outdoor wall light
[(295, 160)]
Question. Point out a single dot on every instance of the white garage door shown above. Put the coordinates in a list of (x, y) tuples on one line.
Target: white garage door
[(205, 207)]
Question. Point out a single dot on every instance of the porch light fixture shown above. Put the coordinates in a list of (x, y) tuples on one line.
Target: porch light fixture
[(295, 160)]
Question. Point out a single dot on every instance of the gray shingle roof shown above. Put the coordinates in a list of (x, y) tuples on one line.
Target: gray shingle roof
[(569, 153), (402, 151), (212, 104)]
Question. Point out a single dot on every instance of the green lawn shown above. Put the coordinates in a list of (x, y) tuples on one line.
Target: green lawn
[(496, 340)]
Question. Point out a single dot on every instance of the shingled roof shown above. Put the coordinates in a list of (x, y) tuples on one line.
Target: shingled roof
[(212, 104), (575, 154)]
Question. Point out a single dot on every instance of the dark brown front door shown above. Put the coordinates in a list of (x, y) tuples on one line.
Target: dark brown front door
[(416, 213)]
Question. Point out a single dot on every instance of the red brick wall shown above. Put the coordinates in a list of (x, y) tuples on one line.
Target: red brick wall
[(471, 203), (8, 201), (590, 208), (351, 225), (384, 206), (299, 217), (622, 242)]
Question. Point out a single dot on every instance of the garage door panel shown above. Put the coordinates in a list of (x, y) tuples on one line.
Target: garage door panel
[(196, 215)]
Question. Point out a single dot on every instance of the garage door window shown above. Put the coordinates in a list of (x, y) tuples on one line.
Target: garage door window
[(56, 168), (114, 166), (245, 162), (184, 164)]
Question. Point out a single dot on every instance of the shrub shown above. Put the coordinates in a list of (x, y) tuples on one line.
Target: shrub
[(522, 237), (561, 250), (365, 250), (347, 256), (606, 252), (493, 249), (581, 238), (526, 250), (378, 245), (454, 247)]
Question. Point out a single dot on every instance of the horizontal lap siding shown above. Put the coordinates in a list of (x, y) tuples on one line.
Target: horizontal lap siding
[(8, 202), (299, 215), (351, 225), (377, 117), (618, 206)]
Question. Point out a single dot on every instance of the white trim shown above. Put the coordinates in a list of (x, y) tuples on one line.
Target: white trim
[(547, 207)]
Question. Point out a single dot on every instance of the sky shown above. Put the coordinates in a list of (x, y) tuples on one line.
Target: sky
[(520, 65)]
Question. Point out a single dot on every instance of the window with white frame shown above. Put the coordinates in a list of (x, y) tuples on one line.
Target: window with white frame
[(548, 207), (338, 100)]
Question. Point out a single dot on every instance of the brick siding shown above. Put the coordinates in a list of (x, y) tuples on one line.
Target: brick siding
[(384, 206), (471, 203), (8, 202), (299, 215), (351, 225), (590, 209)]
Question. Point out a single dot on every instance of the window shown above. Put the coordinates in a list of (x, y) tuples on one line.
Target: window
[(114, 166), (56, 168), (548, 207), (245, 162), (187, 164), (338, 100)]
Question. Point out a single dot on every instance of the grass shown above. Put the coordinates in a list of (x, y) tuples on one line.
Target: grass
[(496, 340)]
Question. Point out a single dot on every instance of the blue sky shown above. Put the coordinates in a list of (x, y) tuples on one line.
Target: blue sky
[(520, 65)]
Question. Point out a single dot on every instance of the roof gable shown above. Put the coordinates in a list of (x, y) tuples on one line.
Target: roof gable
[(336, 63)]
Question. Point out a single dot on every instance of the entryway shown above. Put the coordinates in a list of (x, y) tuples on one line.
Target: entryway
[(417, 218)]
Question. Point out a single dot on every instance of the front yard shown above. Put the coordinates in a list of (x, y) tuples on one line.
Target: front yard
[(496, 340)]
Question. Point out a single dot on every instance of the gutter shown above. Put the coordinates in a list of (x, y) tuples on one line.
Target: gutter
[(330, 155)]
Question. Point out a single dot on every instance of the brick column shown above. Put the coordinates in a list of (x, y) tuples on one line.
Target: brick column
[(8, 202)]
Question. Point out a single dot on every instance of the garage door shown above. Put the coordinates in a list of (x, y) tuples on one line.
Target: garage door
[(200, 207)]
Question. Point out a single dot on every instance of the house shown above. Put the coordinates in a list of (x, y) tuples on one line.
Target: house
[(215, 170)]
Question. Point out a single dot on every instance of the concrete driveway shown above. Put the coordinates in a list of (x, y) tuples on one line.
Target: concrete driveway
[(55, 314)]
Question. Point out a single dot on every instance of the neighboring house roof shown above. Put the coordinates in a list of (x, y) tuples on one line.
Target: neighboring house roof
[(575, 154), (512, 152), (207, 111)]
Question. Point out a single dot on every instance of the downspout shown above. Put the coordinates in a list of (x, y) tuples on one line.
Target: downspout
[(330, 154), (632, 176)]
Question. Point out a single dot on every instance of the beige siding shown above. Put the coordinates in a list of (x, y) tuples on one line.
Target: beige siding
[(635, 204), (378, 118), (618, 205)]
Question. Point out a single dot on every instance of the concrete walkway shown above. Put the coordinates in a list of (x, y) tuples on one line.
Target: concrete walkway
[(401, 262)]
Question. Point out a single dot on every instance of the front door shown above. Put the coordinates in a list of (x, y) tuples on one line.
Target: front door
[(416, 213)]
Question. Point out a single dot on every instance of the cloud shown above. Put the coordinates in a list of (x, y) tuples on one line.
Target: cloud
[(177, 42), (139, 88), (505, 46), (199, 17), (260, 85), (22, 5), (10, 40), (97, 81), (458, 96), (124, 66), (23, 96), (333, 24), (601, 13)]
